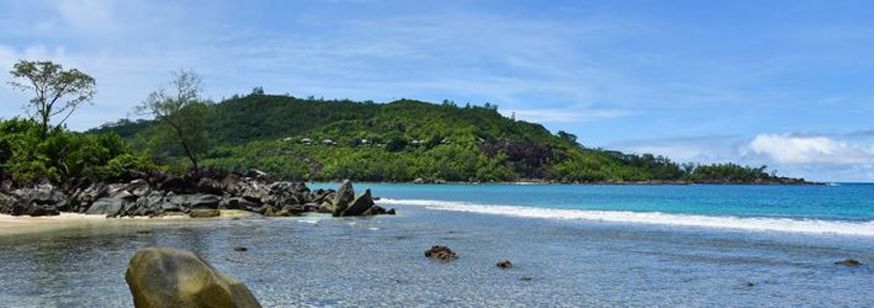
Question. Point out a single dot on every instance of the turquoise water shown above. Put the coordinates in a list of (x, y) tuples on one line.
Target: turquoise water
[(842, 208), (571, 246)]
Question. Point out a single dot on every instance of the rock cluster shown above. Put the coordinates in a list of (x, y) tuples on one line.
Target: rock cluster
[(197, 196), (160, 277), (441, 253)]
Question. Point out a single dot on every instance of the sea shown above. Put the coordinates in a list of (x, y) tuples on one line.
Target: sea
[(570, 246)]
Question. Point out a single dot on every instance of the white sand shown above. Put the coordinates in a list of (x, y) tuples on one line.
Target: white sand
[(26, 224)]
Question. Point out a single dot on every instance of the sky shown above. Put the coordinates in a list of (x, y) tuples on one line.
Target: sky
[(788, 84)]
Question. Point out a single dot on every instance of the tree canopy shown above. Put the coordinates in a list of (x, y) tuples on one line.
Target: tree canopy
[(57, 92)]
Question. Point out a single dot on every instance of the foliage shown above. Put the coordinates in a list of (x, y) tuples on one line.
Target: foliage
[(56, 91), (64, 156), (181, 116), (317, 139)]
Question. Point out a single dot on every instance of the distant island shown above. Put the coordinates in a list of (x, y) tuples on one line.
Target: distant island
[(309, 139), (407, 141)]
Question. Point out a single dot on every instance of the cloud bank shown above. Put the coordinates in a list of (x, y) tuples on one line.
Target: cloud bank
[(818, 157)]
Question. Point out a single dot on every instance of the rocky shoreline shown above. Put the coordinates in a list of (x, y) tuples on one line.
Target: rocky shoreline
[(196, 195)]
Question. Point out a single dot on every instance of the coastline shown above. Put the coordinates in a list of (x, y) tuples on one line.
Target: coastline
[(548, 182), (290, 262)]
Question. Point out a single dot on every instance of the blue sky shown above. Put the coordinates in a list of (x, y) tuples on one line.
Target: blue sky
[(789, 84)]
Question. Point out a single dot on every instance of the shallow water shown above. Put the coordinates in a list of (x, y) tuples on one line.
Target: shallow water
[(379, 261), (320, 261)]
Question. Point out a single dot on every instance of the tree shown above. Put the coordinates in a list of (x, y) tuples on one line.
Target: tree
[(567, 136), (56, 91), (182, 113)]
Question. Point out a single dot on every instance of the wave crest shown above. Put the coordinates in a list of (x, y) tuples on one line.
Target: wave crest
[(659, 218)]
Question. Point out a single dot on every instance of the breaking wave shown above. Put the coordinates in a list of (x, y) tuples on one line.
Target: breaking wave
[(727, 222)]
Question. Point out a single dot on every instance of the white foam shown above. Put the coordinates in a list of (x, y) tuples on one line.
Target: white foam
[(729, 222)]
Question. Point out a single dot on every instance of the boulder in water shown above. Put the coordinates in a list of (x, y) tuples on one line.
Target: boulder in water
[(849, 263), (505, 264), (441, 253), (360, 205), (160, 277), (344, 196)]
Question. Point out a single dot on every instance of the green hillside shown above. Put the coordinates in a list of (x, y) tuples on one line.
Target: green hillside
[(405, 140)]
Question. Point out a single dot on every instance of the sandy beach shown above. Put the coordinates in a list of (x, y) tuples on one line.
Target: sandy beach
[(26, 224)]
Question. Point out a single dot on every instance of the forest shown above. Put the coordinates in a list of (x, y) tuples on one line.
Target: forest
[(406, 140)]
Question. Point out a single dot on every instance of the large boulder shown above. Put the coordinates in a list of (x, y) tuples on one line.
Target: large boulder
[(84, 197), (161, 277), (151, 204), (210, 186), (360, 205), (344, 196), (109, 206), (204, 201)]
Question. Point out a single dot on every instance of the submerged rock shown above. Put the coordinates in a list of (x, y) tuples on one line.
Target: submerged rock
[(849, 263), (440, 252), (505, 264), (160, 277)]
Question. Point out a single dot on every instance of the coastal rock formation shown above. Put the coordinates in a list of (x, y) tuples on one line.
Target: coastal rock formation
[(160, 277), (40, 200), (441, 253), (359, 205), (342, 198), (157, 195)]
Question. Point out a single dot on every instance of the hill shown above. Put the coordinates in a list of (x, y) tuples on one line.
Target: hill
[(406, 139)]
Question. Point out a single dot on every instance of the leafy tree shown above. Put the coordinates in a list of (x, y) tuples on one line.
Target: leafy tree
[(182, 113), (57, 92), (567, 136)]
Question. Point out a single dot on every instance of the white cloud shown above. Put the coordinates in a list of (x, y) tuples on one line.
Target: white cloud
[(816, 157), (789, 149)]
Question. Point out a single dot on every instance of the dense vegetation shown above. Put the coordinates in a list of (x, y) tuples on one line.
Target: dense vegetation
[(404, 140), (63, 156)]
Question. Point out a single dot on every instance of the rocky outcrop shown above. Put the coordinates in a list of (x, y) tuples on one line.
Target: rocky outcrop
[(173, 195), (441, 253), (360, 205), (160, 277), (342, 198), (39, 200)]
